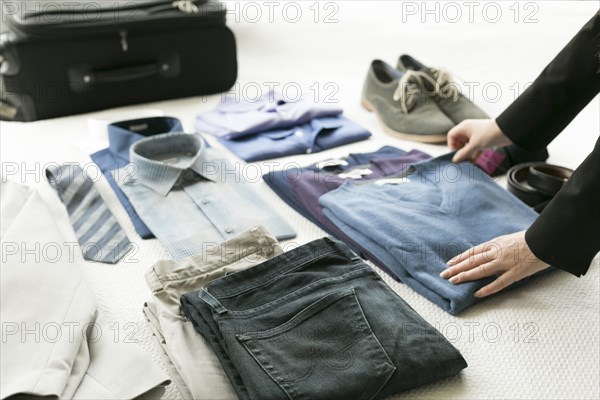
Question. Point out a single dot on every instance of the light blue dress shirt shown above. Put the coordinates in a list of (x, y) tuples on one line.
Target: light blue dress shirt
[(190, 196), (234, 118), (121, 135)]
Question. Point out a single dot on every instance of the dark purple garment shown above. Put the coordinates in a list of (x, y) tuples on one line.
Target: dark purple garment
[(312, 184)]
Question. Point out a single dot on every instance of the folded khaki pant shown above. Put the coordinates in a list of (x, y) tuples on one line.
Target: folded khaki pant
[(154, 324), (192, 358), (52, 342)]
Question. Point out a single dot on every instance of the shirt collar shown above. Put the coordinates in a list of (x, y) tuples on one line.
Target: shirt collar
[(390, 166), (122, 135), (162, 176), (319, 124)]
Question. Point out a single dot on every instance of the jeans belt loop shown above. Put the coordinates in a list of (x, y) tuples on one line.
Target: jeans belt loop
[(211, 301)]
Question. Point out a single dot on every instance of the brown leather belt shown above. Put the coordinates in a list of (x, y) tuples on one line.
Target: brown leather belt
[(537, 183)]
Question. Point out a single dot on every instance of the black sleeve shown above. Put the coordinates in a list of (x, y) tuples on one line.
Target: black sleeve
[(567, 233), (561, 91)]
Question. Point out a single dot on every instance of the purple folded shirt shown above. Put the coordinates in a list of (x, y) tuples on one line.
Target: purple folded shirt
[(234, 117)]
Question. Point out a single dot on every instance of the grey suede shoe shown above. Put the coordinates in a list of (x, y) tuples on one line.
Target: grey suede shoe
[(403, 110), (438, 84)]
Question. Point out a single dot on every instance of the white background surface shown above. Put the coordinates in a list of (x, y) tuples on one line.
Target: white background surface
[(540, 341)]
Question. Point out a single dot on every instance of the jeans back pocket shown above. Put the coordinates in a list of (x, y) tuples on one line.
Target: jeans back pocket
[(326, 351)]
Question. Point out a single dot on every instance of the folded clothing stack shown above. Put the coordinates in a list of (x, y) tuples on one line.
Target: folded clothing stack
[(316, 322), (302, 187), (192, 363), (407, 213), (273, 126), (417, 220)]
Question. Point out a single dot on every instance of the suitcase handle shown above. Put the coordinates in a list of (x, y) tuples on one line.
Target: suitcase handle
[(123, 74), (82, 76)]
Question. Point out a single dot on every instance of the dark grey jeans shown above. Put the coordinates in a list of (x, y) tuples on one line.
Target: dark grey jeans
[(317, 323)]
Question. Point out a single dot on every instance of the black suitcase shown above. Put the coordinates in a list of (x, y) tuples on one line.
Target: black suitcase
[(60, 59)]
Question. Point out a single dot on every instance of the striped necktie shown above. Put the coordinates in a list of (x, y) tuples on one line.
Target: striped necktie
[(99, 234)]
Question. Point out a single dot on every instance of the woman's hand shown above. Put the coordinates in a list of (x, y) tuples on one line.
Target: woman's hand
[(473, 135), (507, 256)]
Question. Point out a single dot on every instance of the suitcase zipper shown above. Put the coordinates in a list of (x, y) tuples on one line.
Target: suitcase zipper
[(152, 7), (124, 44), (187, 7)]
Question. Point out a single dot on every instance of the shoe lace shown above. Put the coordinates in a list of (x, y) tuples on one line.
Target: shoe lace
[(445, 86), (441, 80), (407, 90)]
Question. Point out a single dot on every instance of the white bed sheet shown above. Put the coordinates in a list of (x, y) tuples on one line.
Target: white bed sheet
[(540, 341)]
